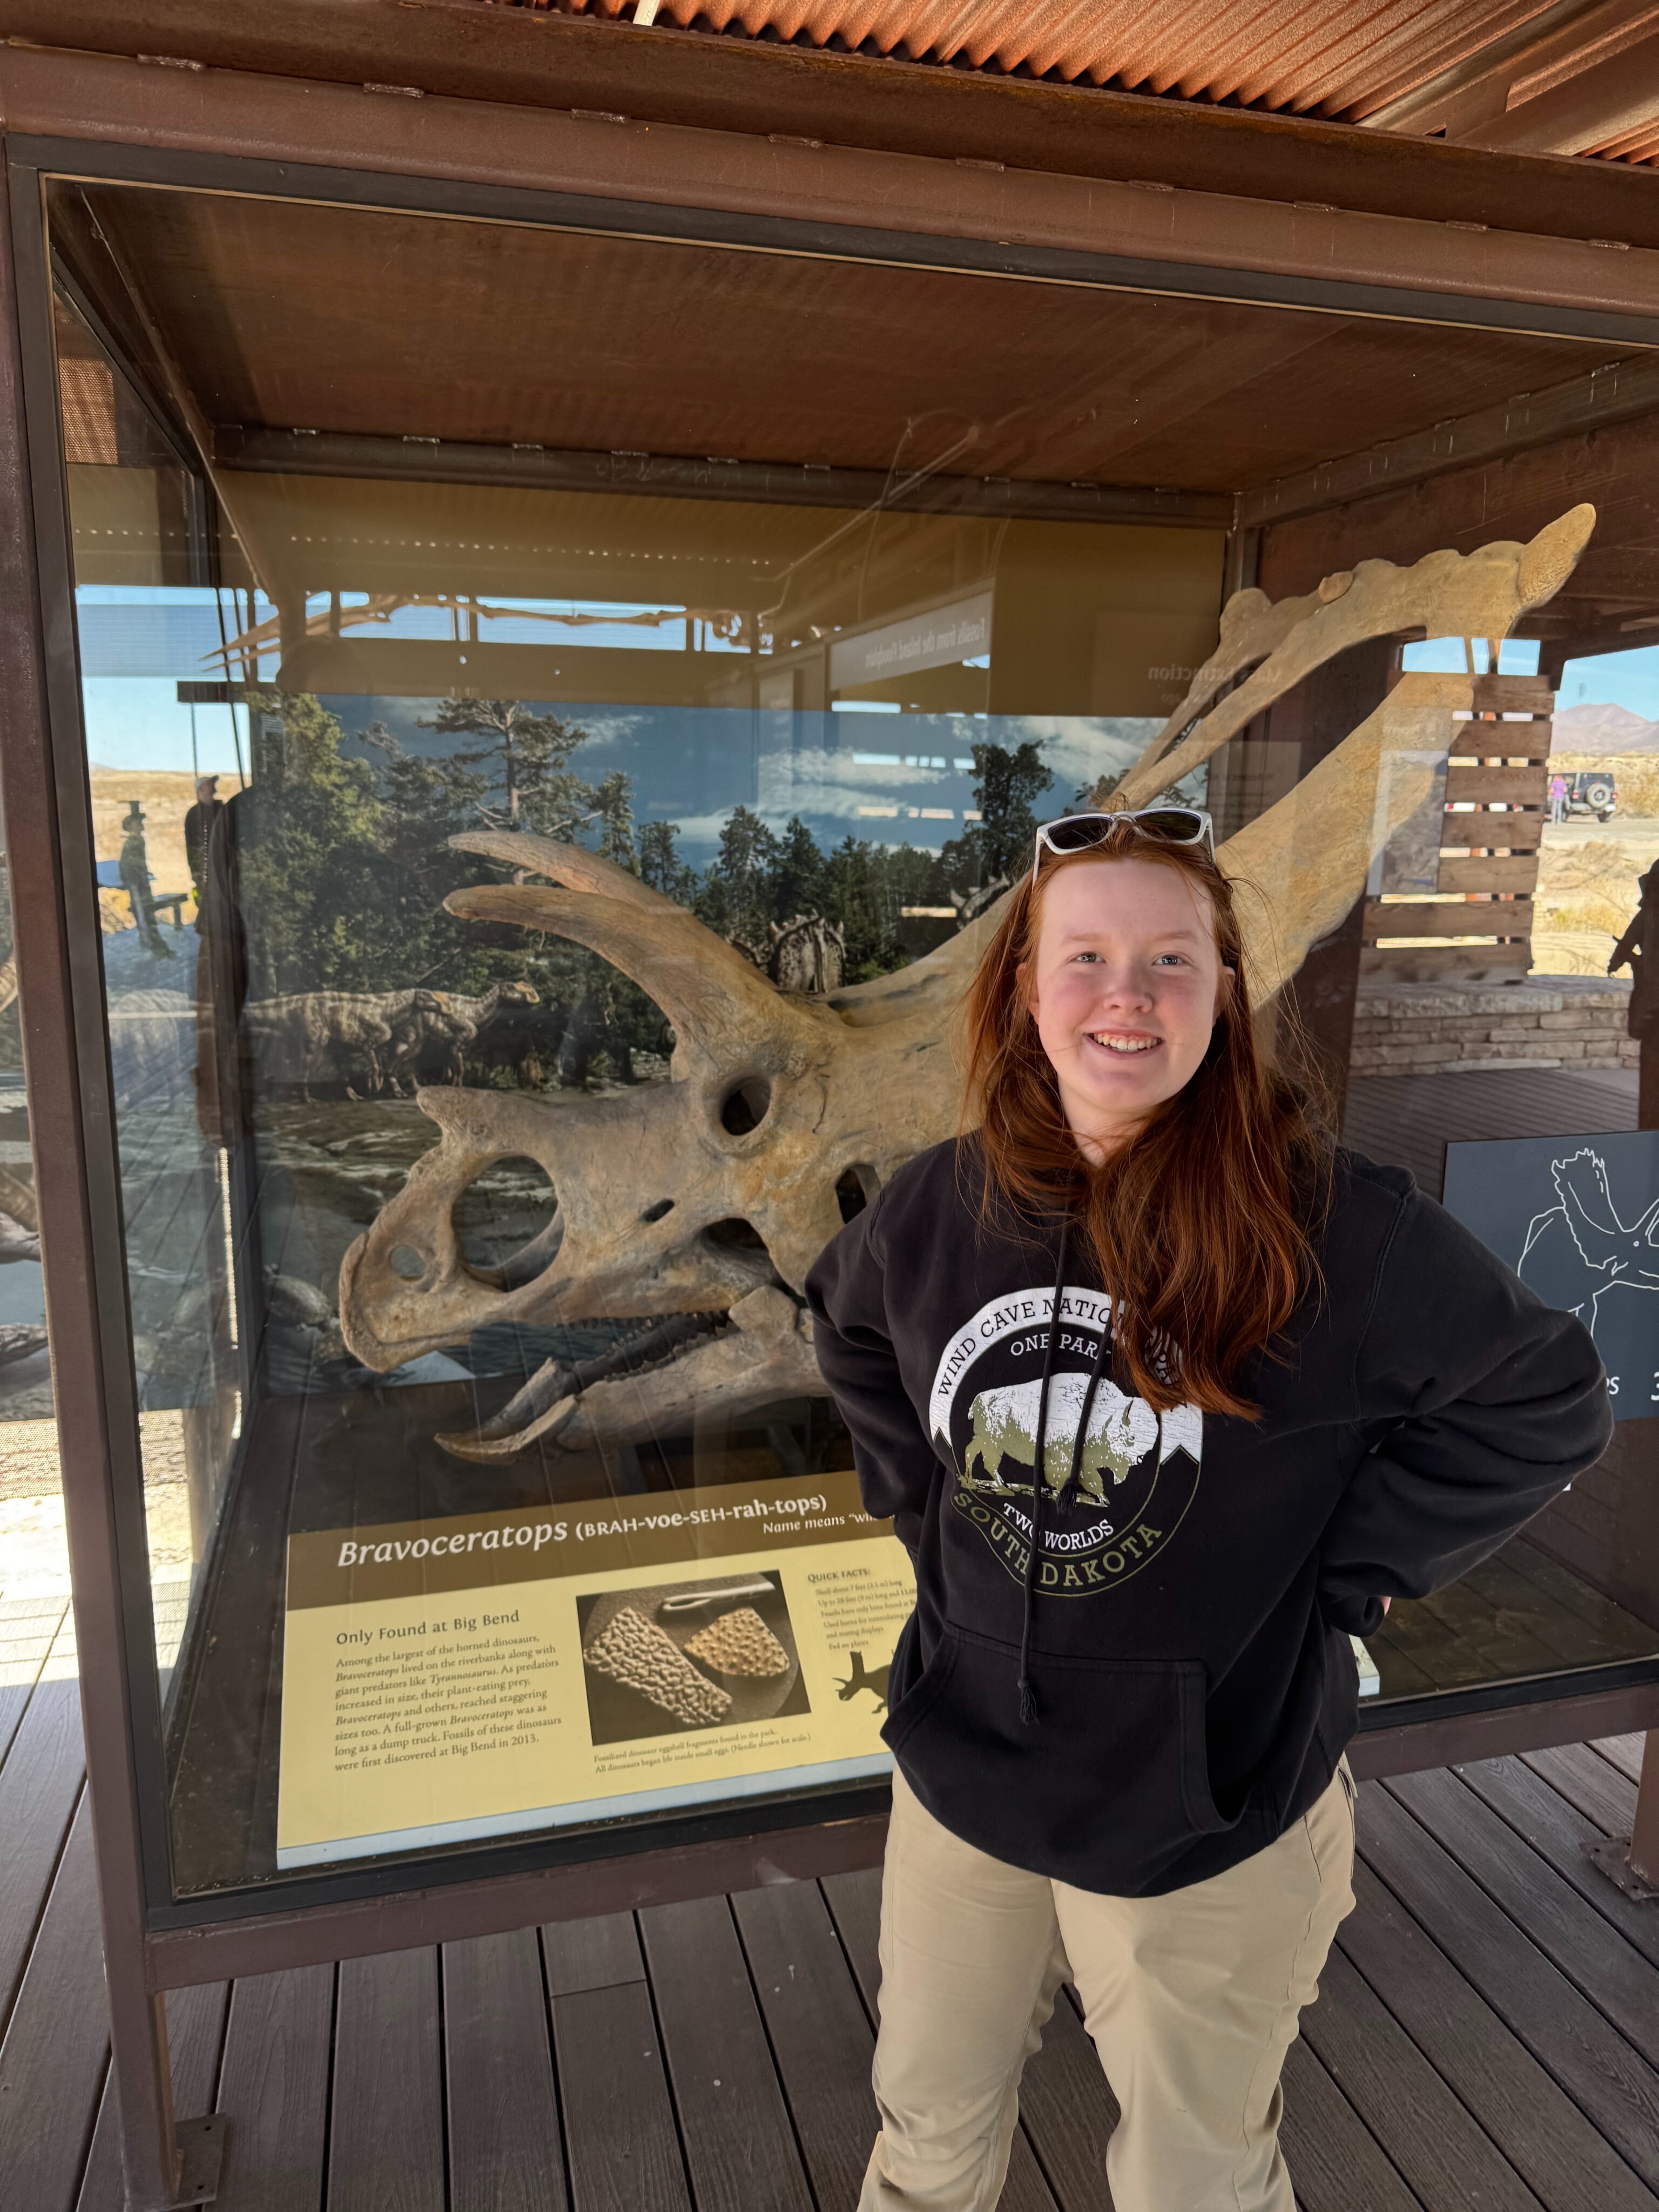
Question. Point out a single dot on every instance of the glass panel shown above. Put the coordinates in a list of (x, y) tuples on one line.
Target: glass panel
[(25, 1374), (618, 739), (146, 620), (1486, 1047)]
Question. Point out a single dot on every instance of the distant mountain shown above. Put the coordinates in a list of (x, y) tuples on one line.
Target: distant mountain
[(1595, 728)]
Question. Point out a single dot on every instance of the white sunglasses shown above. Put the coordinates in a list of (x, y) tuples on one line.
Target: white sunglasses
[(1079, 833)]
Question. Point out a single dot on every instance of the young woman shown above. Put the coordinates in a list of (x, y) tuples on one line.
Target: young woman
[(1166, 1397)]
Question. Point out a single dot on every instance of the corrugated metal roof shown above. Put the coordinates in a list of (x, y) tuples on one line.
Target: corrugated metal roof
[(1427, 67)]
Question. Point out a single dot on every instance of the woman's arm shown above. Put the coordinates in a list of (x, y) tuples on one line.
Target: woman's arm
[(1495, 1403), (847, 1294)]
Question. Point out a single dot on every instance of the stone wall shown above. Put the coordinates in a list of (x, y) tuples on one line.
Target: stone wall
[(1553, 1021)]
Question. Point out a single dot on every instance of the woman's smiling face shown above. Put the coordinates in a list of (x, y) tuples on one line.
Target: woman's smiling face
[(1124, 988)]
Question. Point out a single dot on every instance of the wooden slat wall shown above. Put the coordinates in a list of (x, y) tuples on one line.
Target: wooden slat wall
[(1500, 766)]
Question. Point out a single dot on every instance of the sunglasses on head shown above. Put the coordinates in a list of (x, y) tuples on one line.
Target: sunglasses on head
[(1080, 833)]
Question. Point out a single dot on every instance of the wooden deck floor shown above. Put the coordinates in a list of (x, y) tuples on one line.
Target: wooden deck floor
[(1487, 2036)]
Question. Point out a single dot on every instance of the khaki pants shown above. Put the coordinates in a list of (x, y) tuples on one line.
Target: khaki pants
[(1192, 1999)]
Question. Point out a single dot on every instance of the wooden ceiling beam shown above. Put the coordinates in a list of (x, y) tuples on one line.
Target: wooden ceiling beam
[(1617, 393), (449, 460)]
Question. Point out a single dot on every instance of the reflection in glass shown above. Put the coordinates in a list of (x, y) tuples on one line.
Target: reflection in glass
[(537, 862)]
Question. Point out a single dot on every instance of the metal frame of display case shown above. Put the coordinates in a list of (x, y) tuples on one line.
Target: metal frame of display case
[(155, 1942)]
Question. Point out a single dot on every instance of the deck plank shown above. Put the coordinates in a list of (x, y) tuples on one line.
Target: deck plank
[(1558, 1831), (29, 1628), (1592, 1784), (1556, 2150), (273, 2090), (1444, 2158), (739, 2145), (1609, 2081), (619, 2131), (1336, 2163), (1615, 1978), (1068, 2111), (385, 2150), (506, 2149), (56, 2052), (819, 2033), (1487, 2036), (592, 1954), (40, 1787), (195, 2036), (1623, 1752), (855, 1902)]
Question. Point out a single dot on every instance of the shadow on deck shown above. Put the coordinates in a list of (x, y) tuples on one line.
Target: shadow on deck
[(1487, 2034)]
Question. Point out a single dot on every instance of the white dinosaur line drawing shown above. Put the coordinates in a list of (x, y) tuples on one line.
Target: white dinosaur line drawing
[(1580, 1248)]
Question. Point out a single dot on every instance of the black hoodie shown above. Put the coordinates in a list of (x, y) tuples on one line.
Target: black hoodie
[(1180, 1650)]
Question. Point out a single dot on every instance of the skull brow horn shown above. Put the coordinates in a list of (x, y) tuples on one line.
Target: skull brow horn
[(717, 1001), (573, 865)]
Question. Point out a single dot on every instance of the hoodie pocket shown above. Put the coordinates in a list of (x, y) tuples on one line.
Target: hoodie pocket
[(1110, 1784)]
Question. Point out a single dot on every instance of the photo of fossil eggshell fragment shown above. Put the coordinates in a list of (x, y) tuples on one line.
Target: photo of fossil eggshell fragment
[(641, 1658), (740, 1642), (699, 1655)]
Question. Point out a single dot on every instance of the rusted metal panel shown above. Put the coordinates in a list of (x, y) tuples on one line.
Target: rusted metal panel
[(588, 61)]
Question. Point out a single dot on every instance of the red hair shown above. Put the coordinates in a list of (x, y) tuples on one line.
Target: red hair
[(1200, 1226)]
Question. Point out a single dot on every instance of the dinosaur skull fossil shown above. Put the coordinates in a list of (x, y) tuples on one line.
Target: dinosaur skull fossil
[(713, 1193)]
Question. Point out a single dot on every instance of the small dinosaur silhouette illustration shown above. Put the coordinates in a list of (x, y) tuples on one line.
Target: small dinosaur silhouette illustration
[(875, 1682), (1582, 1247)]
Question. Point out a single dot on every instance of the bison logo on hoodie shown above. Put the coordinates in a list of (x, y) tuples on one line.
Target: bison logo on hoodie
[(985, 1405)]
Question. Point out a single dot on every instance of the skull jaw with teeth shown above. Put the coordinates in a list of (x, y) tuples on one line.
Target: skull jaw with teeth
[(711, 1195)]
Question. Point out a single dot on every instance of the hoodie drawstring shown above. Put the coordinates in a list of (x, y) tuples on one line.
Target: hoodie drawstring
[(1028, 1703)]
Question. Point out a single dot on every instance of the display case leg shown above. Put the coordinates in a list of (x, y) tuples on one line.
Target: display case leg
[(1631, 1862), (168, 2165), (1645, 1836)]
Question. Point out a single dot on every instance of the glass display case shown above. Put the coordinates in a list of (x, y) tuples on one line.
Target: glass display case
[(542, 720), (536, 862)]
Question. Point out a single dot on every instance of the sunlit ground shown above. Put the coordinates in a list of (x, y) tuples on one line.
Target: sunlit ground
[(1587, 890), (33, 1545)]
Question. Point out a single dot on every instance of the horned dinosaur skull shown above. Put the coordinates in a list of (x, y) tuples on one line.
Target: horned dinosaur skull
[(711, 1195)]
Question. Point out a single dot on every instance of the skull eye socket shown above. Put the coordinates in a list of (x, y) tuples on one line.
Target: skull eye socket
[(735, 1235), (507, 1222), (854, 1190), (745, 1106)]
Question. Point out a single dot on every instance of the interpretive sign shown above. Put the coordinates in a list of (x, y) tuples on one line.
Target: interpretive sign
[(493, 1672), (1577, 1218)]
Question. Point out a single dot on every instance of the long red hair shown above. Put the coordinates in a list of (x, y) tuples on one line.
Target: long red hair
[(1201, 1225)]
